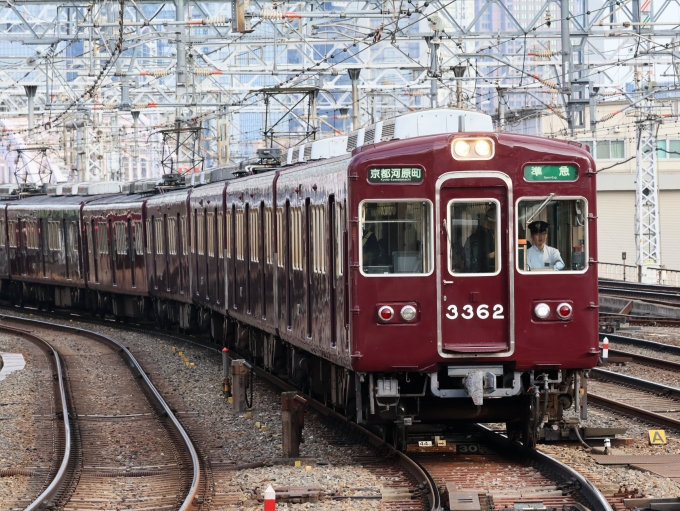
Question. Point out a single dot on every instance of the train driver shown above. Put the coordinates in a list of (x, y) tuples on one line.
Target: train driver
[(540, 256)]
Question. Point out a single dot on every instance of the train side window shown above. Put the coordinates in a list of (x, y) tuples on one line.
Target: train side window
[(149, 243), (396, 237), (12, 233), (319, 238), (139, 238), (339, 228), (254, 230), (220, 235), (279, 237), (552, 234), (200, 233), (239, 235), (158, 223), (3, 232), (102, 238), (474, 237), (211, 234), (121, 238), (227, 236), (296, 238), (268, 235), (172, 236), (73, 237), (185, 237)]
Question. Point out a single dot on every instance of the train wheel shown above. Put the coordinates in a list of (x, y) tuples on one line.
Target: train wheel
[(529, 434), (514, 431)]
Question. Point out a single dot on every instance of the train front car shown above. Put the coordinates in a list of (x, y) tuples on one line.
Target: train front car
[(473, 280)]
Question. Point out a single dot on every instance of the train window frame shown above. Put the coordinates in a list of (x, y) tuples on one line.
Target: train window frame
[(499, 260), (102, 241), (430, 233), (239, 235), (227, 233), (339, 230), (269, 235), (586, 235), (120, 232), (200, 233)]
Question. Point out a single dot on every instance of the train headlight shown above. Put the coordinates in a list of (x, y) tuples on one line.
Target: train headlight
[(564, 311), (386, 313), (461, 148), (408, 313), (483, 148), (542, 310), (472, 149)]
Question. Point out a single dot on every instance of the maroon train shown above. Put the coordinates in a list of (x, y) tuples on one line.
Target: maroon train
[(390, 272)]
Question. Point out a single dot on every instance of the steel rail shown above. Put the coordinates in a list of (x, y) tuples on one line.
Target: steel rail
[(597, 501), (649, 361), (618, 284), (642, 343), (152, 393), (53, 488), (649, 416), (408, 463)]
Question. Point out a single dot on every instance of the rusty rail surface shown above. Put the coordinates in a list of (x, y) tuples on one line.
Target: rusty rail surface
[(150, 390)]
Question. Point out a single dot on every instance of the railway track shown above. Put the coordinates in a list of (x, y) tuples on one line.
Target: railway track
[(417, 480), (662, 295), (123, 445)]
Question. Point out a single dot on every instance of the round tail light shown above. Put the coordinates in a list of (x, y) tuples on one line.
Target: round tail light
[(386, 313), (542, 310), (564, 310), (408, 313)]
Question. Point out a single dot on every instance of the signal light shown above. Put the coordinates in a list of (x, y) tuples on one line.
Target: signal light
[(386, 313), (564, 310), (542, 310)]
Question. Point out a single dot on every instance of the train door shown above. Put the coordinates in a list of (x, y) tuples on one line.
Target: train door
[(246, 238), (263, 225), (112, 250), (166, 246), (289, 269), (308, 261), (475, 266), (154, 250), (95, 249)]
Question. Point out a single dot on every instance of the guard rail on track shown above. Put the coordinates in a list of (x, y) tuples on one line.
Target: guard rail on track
[(597, 501), (150, 390), (51, 491)]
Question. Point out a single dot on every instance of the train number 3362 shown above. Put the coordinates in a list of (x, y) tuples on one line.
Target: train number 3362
[(482, 312)]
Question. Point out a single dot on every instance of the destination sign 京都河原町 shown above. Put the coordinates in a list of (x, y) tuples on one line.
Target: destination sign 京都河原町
[(395, 175)]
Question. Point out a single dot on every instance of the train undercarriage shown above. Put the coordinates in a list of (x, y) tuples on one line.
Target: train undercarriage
[(530, 403)]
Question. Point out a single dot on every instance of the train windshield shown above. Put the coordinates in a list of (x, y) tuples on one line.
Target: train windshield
[(551, 234), (395, 237), (473, 236)]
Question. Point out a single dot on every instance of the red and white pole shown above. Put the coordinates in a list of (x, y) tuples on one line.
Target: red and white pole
[(269, 499), (605, 349)]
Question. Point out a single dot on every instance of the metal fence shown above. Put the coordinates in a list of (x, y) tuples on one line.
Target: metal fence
[(629, 273)]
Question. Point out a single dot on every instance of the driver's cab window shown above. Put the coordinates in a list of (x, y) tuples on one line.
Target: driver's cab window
[(395, 238), (551, 234)]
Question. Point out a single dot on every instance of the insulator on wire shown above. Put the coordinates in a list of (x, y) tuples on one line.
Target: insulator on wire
[(204, 71), (157, 73), (545, 82), (610, 93), (271, 14), (110, 106), (216, 20), (609, 116), (544, 54), (557, 112)]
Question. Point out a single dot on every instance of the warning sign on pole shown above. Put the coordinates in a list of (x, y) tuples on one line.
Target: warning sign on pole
[(657, 437)]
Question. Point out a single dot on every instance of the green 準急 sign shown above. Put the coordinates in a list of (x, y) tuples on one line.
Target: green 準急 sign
[(395, 175), (536, 172)]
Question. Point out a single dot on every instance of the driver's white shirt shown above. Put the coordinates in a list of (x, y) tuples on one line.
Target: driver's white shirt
[(543, 259)]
